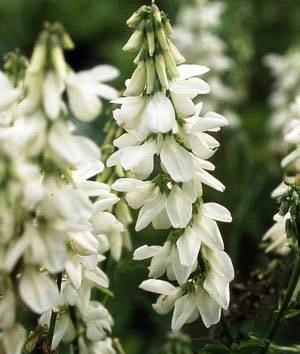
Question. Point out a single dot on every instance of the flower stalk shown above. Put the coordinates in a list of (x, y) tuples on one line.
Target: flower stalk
[(165, 150)]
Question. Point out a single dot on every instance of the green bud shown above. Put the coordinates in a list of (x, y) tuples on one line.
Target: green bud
[(150, 37), (167, 25), (179, 59), (138, 81), (141, 54), (161, 70), (135, 19), (170, 63), (38, 58), (161, 36), (284, 208), (66, 41), (135, 42), (291, 229), (58, 60), (151, 75)]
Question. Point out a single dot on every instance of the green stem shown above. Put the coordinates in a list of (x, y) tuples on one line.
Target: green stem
[(227, 330), (290, 290), (54, 314)]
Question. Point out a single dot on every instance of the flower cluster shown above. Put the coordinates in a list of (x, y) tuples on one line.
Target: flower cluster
[(165, 150), (56, 223), (197, 28), (276, 236), (285, 70)]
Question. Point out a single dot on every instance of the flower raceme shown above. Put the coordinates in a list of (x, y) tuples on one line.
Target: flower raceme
[(56, 221), (276, 237), (165, 150)]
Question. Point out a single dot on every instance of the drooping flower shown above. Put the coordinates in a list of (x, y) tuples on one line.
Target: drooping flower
[(51, 246), (165, 150)]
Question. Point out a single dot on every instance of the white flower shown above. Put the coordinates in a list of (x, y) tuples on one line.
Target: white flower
[(276, 236), (8, 94), (13, 339), (38, 291), (165, 260), (85, 88), (145, 115)]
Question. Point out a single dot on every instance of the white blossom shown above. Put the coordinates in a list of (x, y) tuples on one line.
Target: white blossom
[(165, 151)]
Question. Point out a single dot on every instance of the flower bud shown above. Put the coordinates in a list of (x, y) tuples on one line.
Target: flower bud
[(165, 302), (38, 58), (170, 63), (58, 61), (136, 17), (179, 59), (161, 70), (137, 82), (135, 42), (66, 41), (167, 25), (141, 55), (150, 37), (123, 213), (161, 36), (151, 75)]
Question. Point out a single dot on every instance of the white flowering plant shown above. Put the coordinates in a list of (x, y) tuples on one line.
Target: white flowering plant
[(92, 231)]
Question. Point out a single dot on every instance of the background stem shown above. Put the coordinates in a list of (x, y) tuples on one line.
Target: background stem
[(290, 290), (226, 328), (54, 314)]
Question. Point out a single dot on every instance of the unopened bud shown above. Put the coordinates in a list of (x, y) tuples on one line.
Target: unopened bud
[(136, 17), (38, 58), (179, 59), (291, 229), (135, 42), (161, 70), (167, 25), (151, 75), (137, 82), (170, 63), (150, 37), (123, 213), (141, 55), (58, 61), (66, 41)]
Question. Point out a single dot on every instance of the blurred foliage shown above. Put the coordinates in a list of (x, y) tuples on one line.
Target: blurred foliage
[(244, 162)]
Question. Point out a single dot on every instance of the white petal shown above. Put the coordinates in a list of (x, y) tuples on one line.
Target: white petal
[(102, 73), (183, 104), (176, 160), (211, 120), (74, 270), (105, 91), (157, 286), (52, 95), (220, 263), (184, 307), (209, 310), (38, 291), (181, 272), (148, 212), (216, 212), (187, 70), (179, 208), (188, 246), (145, 252), (218, 288), (98, 277), (209, 233), (14, 339), (159, 114)]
